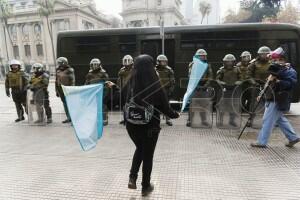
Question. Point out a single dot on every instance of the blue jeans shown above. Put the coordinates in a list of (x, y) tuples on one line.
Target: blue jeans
[(273, 116)]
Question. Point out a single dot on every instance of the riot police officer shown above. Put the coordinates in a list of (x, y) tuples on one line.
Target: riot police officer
[(125, 72), (229, 77), (17, 81), (258, 68), (97, 74), (243, 67), (39, 85), (258, 73), (243, 64), (64, 76), (166, 77), (204, 84)]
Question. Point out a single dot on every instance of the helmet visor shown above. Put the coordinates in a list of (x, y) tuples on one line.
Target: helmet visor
[(126, 62)]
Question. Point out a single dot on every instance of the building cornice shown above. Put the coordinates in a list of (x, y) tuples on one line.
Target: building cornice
[(31, 13), (154, 11)]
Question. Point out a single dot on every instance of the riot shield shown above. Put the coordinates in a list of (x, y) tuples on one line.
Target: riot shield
[(228, 112), (35, 107), (258, 113), (201, 113), (201, 108)]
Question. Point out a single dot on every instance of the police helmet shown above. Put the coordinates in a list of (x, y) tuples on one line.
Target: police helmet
[(61, 61), (95, 64), (201, 52), (264, 50), (161, 58), (127, 60), (37, 67), (15, 62), (246, 53), (229, 58)]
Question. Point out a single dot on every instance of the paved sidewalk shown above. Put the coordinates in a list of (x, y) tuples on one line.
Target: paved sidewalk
[(48, 163)]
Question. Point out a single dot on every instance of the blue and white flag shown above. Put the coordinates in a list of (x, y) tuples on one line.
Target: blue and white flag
[(198, 70), (85, 108)]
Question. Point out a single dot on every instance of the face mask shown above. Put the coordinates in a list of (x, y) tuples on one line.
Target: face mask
[(228, 65)]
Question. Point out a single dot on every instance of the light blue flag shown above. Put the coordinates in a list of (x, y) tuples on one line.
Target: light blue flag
[(85, 108), (198, 70)]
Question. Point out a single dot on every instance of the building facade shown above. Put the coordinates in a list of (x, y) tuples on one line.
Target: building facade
[(191, 10), (140, 13), (28, 37)]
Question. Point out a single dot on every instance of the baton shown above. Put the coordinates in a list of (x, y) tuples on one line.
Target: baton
[(250, 118)]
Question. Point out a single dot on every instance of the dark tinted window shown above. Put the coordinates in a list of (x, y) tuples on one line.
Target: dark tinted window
[(127, 43), (86, 44)]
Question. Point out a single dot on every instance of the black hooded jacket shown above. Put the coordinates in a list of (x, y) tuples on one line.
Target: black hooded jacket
[(145, 87)]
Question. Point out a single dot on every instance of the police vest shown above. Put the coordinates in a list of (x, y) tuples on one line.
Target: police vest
[(164, 76), (65, 76), (261, 71), (39, 81), (15, 79), (124, 75), (229, 76), (243, 71), (96, 77)]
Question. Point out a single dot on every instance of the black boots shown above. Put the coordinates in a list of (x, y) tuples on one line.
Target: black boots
[(20, 119), (147, 190), (132, 183), (66, 121)]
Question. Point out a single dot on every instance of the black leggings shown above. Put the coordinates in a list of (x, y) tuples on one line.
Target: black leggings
[(145, 138)]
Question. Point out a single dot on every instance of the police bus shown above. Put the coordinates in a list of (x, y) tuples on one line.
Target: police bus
[(181, 43)]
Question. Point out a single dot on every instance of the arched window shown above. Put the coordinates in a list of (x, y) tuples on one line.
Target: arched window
[(13, 31), (25, 29), (37, 29)]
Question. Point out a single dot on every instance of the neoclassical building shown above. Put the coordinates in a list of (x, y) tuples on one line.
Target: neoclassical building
[(139, 13), (28, 37)]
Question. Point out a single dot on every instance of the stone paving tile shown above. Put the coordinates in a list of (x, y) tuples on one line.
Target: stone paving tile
[(47, 163)]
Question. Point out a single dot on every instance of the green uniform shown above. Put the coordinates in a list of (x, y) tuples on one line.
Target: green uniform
[(39, 85), (258, 71), (246, 94), (228, 77), (243, 71), (166, 78), (97, 76), (64, 76), (208, 75), (201, 92), (124, 75), (17, 82)]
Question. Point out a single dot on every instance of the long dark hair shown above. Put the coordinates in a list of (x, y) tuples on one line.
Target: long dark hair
[(144, 82)]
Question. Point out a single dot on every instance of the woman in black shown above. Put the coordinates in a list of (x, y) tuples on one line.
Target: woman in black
[(146, 88)]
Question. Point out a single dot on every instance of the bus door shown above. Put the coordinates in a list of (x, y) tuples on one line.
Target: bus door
[(153, 48)]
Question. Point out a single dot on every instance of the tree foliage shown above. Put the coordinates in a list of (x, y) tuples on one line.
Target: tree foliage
[(261, 9), (233, 17), (289, 14), (5, 14), (46, 8), (5, 10), (205, 9)]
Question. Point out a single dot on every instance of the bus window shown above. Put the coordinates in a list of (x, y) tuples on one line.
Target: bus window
[(128, 48), (127, 43)]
